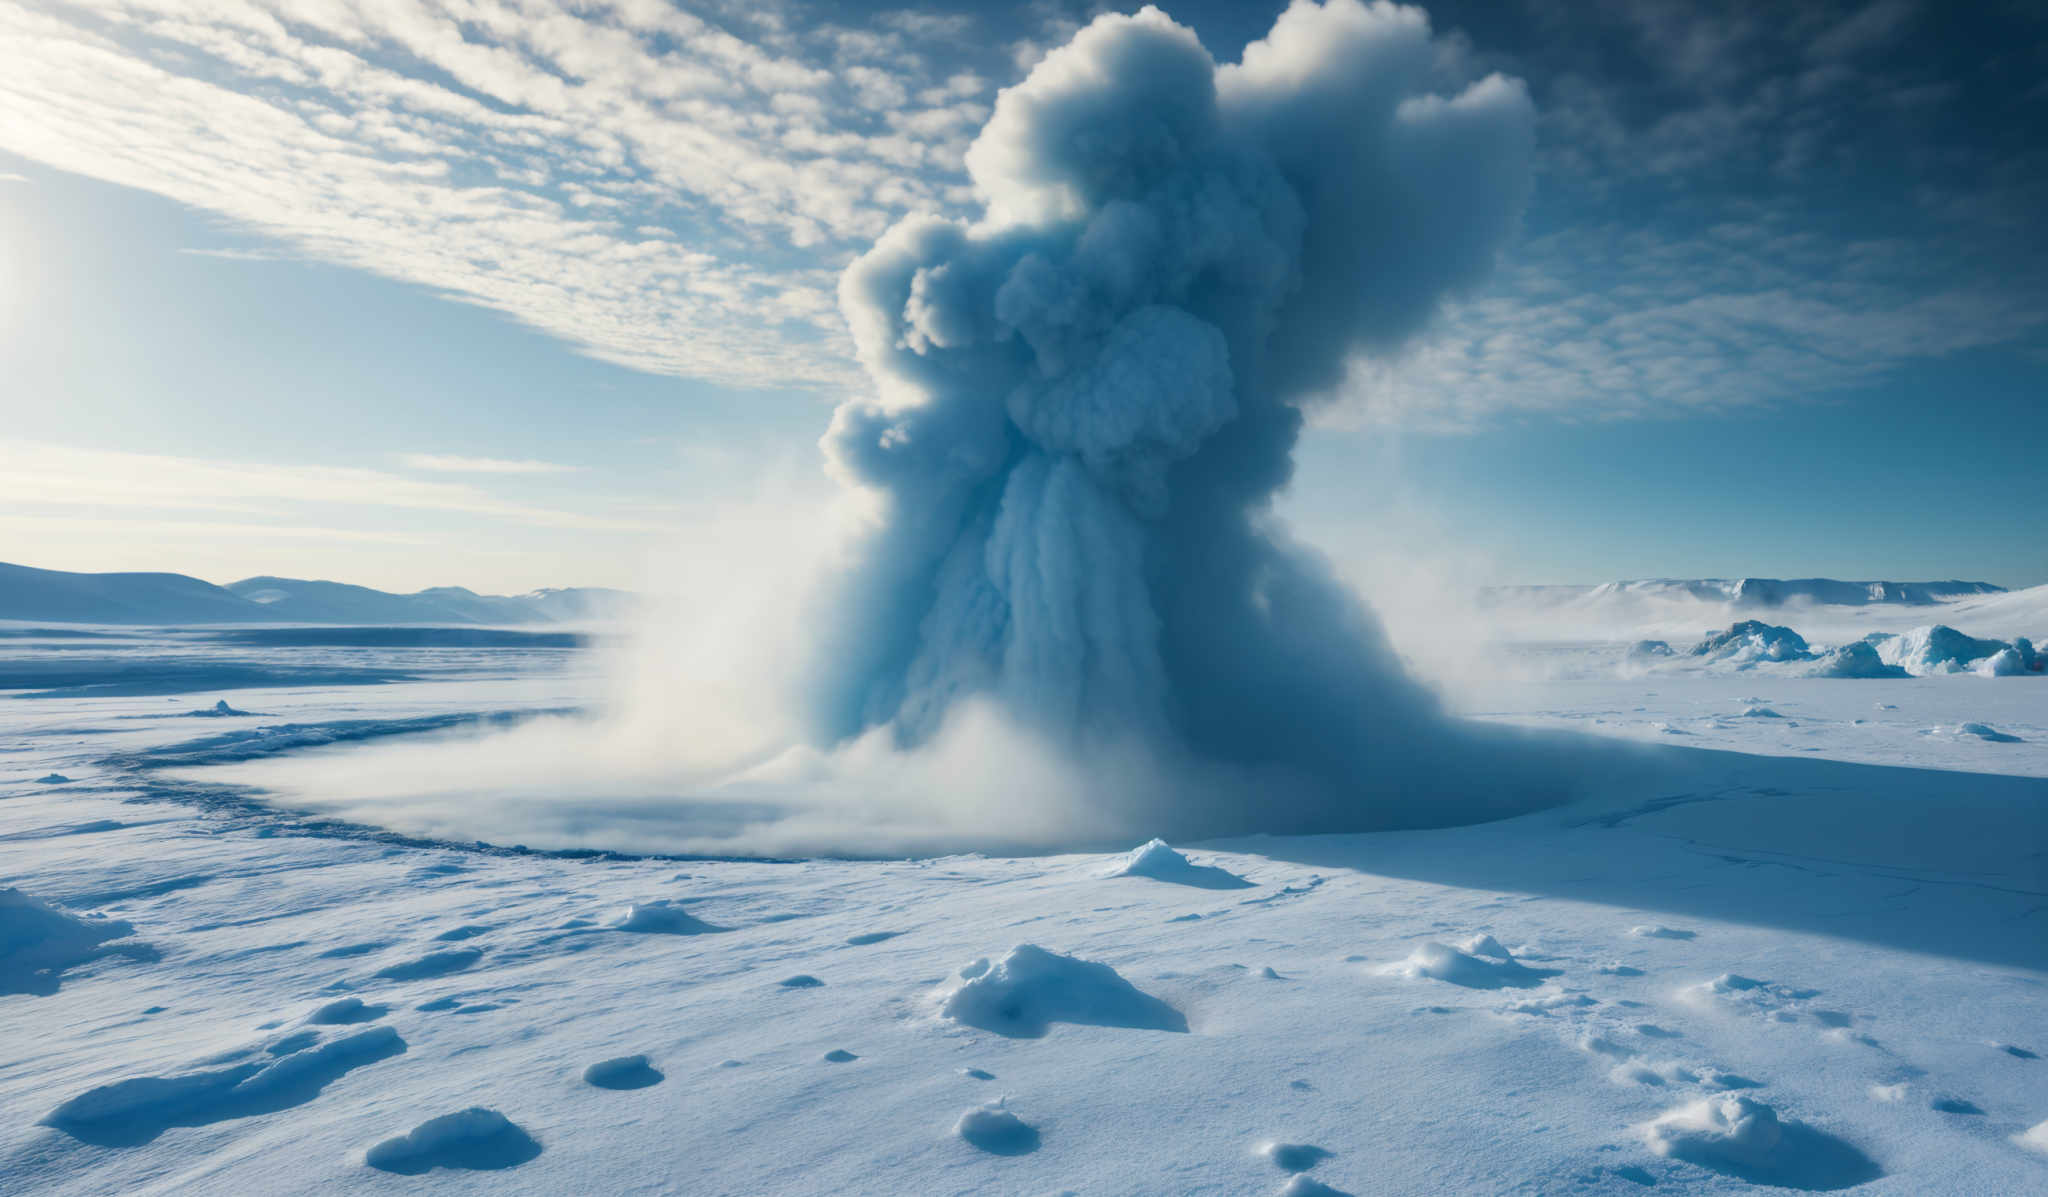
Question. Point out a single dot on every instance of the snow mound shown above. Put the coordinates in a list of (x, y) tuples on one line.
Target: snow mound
[(1659, 931), (994, 1129), (1936, 649), (343, 1011), (1857, 659), (1725, 1130), (1485, 945), (1985, 731), (1745, 1139), (1753, 640), (1293, 1157), (431, 965), (135, 1111), (1493, 970), (1156, 860), (38, 942), (661, 917), (1301, 1184), (219, 710), (475, 1138), (52, 779), (1760, 713), (2034, 1138), (622, 1072), (1028, 990)]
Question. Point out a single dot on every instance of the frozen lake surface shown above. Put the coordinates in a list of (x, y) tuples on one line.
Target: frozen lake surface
[(1809, 951)]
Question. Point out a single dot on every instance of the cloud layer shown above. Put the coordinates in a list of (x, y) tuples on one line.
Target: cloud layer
[(1732, 208), (669, 191)]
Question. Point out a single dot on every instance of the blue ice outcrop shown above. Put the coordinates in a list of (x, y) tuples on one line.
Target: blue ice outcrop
[(1753, 640), (1938, 648), (1857, 659)]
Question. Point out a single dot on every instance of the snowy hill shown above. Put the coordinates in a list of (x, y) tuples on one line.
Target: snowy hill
[(148, 598), (1747, 593), (296, 601), (2006, 614), (1824, 608), (42, 594)]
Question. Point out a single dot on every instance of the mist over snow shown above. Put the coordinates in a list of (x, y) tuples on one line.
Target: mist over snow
[(1055, 607)]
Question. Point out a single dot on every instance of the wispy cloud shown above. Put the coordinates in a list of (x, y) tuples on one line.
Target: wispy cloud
[(1765, 205), (668, 191), (445, 463), (35, 475), (129, 529), (233, 255), (675, 191), (1605, 321)]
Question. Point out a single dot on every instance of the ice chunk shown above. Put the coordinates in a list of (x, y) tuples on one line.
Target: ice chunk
[(1753, 640), (1936, 648), (1857, 659)]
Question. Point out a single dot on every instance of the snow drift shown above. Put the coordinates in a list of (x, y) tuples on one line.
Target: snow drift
[(38, 942)]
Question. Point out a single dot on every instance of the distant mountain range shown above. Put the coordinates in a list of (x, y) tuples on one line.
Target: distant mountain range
[(47, 595), (53, 596), (1747, 593)]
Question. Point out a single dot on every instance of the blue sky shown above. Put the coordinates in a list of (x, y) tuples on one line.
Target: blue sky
[(498, 295)]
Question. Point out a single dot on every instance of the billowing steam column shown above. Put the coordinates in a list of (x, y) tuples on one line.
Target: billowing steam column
[(1088, 399)]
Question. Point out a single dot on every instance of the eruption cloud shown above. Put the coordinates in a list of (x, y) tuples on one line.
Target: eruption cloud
[(1070, 619), (1089, 398)]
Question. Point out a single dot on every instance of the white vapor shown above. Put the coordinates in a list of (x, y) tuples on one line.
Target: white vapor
[(445, 463), (1053, 605)]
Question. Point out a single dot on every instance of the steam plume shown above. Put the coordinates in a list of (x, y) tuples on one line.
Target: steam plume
[(1072, 621), (1089, 398)]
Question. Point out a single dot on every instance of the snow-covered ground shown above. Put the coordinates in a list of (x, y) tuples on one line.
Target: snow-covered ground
[(1804, 948)]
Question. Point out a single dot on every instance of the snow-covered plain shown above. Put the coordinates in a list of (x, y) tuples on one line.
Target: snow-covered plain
[(1798, 941)]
